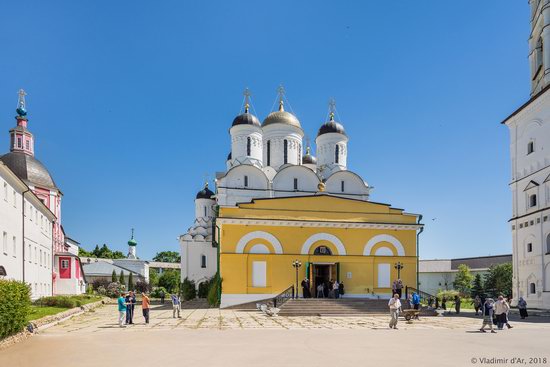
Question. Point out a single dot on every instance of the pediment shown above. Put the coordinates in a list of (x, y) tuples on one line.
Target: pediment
[(531, 185)]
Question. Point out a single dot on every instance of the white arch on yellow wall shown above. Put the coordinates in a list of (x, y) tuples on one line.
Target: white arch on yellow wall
[(384, 238), (259, 234), (326, 237)]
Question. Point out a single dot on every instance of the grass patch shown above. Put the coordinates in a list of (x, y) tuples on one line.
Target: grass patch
[(39, 309), (38, 312)]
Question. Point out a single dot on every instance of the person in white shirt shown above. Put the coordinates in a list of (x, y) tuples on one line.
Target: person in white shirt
[(336, 288), (395, 305)]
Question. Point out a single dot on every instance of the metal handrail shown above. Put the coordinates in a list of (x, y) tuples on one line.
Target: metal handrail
[(284, 296), (424, 297)]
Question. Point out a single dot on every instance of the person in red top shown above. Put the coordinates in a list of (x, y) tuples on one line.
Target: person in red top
[(145, 305)]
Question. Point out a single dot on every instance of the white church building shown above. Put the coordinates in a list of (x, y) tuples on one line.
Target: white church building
[(267, 160), (529, 128)]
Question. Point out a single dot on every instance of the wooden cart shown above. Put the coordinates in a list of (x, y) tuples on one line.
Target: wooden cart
[(410, 314)]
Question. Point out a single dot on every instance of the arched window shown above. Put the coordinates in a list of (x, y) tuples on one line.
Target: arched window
[(248, 146), (336, 153), (529, 247), (205, 211), (203, 261), (269, 152), (530, 147), (245, 181), (322, 250), (342, 185), (548, 244), (285, 152), (532, 288), (532, 200), (299, 151), (295, 184)]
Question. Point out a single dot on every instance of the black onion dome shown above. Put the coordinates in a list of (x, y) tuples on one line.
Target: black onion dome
[(331, 127), (246, 119), (205, 193), (309, 159), (29, 169)]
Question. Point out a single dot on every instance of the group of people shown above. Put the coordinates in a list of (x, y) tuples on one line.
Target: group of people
[(126, 306), (328, 289), (496, 312), (435, 303), (395, 307), (127, 303)]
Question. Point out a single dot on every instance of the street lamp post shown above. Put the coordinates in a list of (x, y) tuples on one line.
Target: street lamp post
[(399, 265), (296, 264)]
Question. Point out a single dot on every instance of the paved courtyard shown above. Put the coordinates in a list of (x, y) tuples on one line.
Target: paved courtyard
[(216, 337)]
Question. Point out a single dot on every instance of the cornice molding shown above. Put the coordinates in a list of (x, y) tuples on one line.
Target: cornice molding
[(319, 224)]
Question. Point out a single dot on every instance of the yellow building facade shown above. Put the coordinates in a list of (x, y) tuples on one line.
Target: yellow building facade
[(356, 242)]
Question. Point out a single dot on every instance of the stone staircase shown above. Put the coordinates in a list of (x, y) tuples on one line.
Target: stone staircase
[(337, 307)]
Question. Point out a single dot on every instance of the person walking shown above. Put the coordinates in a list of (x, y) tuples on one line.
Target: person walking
[(488, 310), (336, 289), (444, 303), (162, 295), (416, 304), (394, 287), (145, 306), (500, 312), (457, 304), (522, 306), (341, 289), (121, 309), (394, 305), (477, 304), (176, 306), (507, 302)]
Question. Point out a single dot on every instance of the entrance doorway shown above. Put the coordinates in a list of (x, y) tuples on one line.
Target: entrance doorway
[(322, 274)]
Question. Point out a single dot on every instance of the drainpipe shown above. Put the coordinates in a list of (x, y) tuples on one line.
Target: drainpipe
[(417, 252), (23, 231)]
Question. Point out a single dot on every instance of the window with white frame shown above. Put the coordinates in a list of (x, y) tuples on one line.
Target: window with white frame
[(529, 247), (14, 246), (342, 185), (548, 243), (203, 261), (245, 181), (532, 288), (65, 264), (14, 199), (29, 254), (5, 191), (295, 184)]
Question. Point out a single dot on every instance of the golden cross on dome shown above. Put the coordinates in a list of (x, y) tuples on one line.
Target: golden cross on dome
[(332, 107), (247, 95), (281, 91), (22, 95)]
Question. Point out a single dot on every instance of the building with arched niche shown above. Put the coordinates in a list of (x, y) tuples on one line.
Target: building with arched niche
[(274, 204)]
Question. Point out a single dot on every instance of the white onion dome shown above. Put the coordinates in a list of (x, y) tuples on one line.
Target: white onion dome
[(281, 117), (331, 126)]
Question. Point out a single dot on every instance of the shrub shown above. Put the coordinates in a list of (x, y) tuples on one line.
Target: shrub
[(188, 290), (214, 291), (203, 289), (15, 302), (113, 290), (142, 286), (56, 301), (100, 282), (157, 292), (170, 280)]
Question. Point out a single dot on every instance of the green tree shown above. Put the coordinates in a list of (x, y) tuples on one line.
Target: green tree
[(477, 286), (463, 280), (188, 290), (499, 280), (130, 282), (167, 256), (170, 279), (113, 276), (121, 278), (118, 255), (153, 277), (83, 252)]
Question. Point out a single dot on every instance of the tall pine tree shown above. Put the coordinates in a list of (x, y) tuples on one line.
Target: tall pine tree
[(121, 278), (113, 276), (130, 282), (477, 287)]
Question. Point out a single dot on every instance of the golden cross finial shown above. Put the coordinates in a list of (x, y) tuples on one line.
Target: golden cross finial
[(331, 108), (247, 95), (281, 92)]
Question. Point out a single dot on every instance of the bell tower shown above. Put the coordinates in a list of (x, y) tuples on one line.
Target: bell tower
[(21, 139)]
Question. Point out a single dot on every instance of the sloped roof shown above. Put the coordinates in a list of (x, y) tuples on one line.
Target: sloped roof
[(102, 268)]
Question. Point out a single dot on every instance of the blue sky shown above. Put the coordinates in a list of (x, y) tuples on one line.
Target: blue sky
[(130, 104)]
